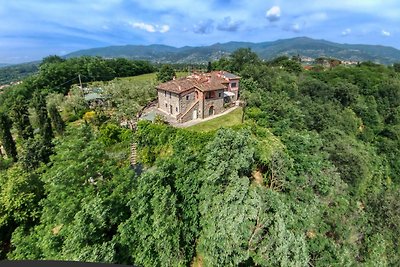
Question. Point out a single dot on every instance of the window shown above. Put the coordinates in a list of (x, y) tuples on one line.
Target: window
[(165, 93), (233, 85), (219, 94), (166, 105), (210, 94), (176, 109), (187, 97)]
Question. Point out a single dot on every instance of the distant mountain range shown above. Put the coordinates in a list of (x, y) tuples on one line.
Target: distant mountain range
[(303, 46)]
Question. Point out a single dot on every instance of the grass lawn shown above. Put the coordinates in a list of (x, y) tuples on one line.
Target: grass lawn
[(149, 77), (231, 119)]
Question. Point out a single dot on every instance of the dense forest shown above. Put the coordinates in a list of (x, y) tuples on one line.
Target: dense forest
[(311, 178)]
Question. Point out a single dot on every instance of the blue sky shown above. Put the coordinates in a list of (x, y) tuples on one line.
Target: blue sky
[(33, 29)]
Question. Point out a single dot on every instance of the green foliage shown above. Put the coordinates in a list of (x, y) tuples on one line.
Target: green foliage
[(241, 57), (39, 104), (310, 178), (83, 206), (34, 152), (209, 66), (14, 73), (20, 193), (19, 196), (396, 67), (166, 73), (20, 117), (56, 119), (129, 95), (74, 105), (52, 59), (6, 137), (111, 134)]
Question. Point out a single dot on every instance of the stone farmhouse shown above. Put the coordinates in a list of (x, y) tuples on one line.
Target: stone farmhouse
[(198, 95)]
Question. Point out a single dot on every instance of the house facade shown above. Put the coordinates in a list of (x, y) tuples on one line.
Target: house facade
[(199, 95)]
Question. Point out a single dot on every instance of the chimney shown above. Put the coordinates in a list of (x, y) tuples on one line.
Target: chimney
[(173, 78)]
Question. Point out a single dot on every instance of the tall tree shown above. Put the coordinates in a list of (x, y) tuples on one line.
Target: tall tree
[(39, 104), (46, 132), (166, 73), (56, 119), (20, 117), (6, 137), (241, 57), (209, 66)]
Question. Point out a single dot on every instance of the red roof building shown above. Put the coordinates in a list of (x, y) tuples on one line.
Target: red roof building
[(198, 95)]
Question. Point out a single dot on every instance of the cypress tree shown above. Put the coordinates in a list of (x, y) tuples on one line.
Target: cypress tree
[(6, 137), (39, 104), (209, 66), (45, 130), (20, 117), (56, 119)]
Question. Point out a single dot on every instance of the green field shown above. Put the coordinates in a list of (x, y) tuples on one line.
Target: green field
[(148, 77), (231, 119)]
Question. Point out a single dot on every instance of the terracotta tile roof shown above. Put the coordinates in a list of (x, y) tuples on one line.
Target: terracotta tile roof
[(215, 80), (177, 86)]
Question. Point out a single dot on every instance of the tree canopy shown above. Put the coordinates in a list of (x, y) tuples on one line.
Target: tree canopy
[(310, 178)]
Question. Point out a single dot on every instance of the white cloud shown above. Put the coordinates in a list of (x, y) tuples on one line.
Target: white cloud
[(274, 13), (346, 32), (385, 33), (295, 27), (164, 28), (149, 27)]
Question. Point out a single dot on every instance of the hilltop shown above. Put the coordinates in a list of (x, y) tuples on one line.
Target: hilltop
[(303, 46)]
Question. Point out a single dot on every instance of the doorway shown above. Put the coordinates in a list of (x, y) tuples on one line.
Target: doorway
[(211, 111)]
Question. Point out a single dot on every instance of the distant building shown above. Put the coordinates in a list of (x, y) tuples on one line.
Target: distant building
[(199, 95)]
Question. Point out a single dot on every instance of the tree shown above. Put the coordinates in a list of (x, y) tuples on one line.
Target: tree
[(51, 60), (44, 141), (20, 116), (166, 73), (241, 57), (56, 119), (243, 223), (396, 67), (20, 193), (209, 66), (6, 137), (292, 66), (39, 104)]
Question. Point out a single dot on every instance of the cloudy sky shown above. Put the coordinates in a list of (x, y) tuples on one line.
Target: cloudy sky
[(32, 29)]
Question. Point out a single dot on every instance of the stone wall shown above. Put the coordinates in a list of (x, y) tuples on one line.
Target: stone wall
[(187, 100), (168, 102), (189, 115), (217, 103)]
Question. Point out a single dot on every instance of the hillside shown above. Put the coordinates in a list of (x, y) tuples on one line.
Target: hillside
[(308, 176), (301, 45), (17, 72)]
